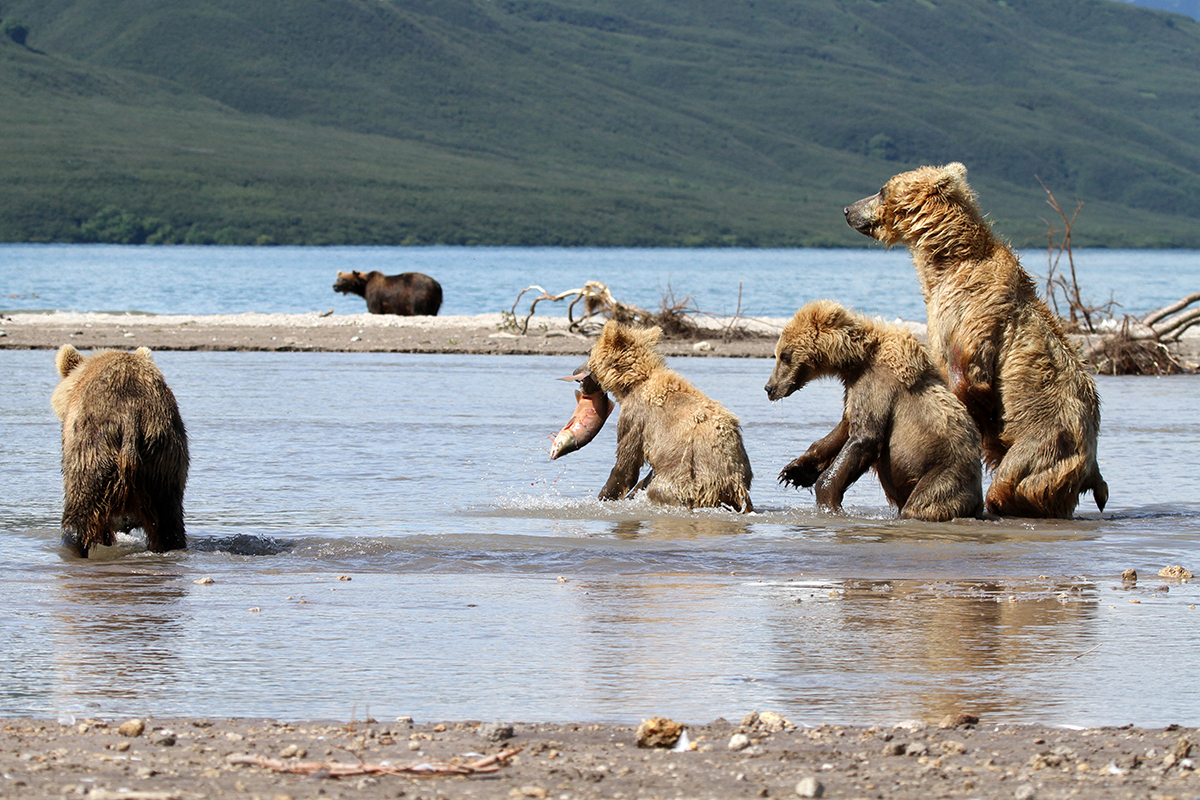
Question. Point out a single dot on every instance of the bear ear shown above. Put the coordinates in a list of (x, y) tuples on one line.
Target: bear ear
[(67, 359), (652, 335), (828, 314), (143, 352), (954, 175)]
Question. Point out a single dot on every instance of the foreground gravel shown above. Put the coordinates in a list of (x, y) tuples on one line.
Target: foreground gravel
[(759, 756)]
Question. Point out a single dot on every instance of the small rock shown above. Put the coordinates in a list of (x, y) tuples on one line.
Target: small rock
[(344, 578), (164, 739), (739, 741), (496, 731), (958, 721), (204, 581), (917, 749), (1129, 576), (895, 748), (132, 728), (702, 347), (1183, 748), (533, 791), (1175, 571), (809, 787), (1025, 792), (952, 748), (658, 732)]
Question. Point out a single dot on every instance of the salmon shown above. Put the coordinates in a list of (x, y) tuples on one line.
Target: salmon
[(591, 410)]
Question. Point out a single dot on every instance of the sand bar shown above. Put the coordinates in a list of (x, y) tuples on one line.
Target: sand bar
[(480, 334)]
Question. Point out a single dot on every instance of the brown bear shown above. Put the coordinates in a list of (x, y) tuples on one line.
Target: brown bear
[(899, 416), (124, 450), (1003, 352), (409, 294), (692, 444)]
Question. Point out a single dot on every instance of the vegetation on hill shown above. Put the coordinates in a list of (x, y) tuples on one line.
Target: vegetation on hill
[(607, 122)]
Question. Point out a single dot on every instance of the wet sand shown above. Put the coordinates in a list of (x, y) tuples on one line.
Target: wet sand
[(158, 759)]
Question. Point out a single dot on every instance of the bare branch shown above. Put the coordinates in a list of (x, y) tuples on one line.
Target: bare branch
[(1155, 316)]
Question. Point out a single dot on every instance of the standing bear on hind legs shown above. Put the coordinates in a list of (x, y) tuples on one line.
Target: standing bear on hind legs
[(1003, 352)]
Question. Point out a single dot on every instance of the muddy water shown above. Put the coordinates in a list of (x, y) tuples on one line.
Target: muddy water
[(386, 535)]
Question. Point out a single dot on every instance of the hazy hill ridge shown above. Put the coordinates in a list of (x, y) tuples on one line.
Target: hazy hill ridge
[(659, 122)]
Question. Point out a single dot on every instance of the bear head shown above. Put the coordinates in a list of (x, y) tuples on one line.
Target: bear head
[(350, 282), (624, 357), (819, 340), (929, 207)]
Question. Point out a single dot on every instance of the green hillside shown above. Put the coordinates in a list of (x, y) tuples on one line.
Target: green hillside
[(661, 122)]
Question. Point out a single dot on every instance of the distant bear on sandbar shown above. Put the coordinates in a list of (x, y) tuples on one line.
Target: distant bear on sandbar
[(124, 450), (409, 294), (898, 417), (1003, 352), (692, 444)]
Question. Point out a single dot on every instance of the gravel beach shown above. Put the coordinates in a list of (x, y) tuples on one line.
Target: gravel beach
[(759, 756)]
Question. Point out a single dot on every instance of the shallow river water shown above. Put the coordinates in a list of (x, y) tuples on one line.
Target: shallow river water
[(386, 536)]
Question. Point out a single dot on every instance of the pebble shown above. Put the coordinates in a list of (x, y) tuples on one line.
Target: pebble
[(810, 787), (204, 581), (1025, 792), (496, 731), (739, 741), (132, 728), (658, 732)]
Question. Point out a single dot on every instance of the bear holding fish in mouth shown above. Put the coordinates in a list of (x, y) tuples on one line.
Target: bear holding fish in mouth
[(693, 444)]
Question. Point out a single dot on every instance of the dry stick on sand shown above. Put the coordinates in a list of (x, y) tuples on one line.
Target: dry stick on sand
[(335, 769)]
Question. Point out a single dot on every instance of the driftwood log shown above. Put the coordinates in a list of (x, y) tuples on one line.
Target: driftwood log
[(1141, 346), (341, 769)]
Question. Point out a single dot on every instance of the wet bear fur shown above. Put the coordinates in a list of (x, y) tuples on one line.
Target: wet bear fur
[(409, 294), (692, 443), (1003, 352), (899, 416), (124, 450)]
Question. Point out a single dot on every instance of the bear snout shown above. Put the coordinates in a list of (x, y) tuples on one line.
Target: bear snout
[(863, 215)]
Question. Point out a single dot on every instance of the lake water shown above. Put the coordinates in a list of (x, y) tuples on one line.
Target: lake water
[(485, 582), (773, 283)]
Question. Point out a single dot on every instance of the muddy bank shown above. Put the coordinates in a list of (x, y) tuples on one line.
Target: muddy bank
[(158, 759)]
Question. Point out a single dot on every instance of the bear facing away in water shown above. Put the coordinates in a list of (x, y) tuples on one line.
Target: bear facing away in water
[(124, 450)]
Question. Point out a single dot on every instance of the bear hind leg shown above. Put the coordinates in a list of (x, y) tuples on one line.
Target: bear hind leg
[(1029, 484)]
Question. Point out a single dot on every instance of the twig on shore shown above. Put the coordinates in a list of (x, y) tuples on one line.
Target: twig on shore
[(336, 769)]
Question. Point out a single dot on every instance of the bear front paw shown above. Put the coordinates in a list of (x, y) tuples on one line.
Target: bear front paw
[(800, 472)]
